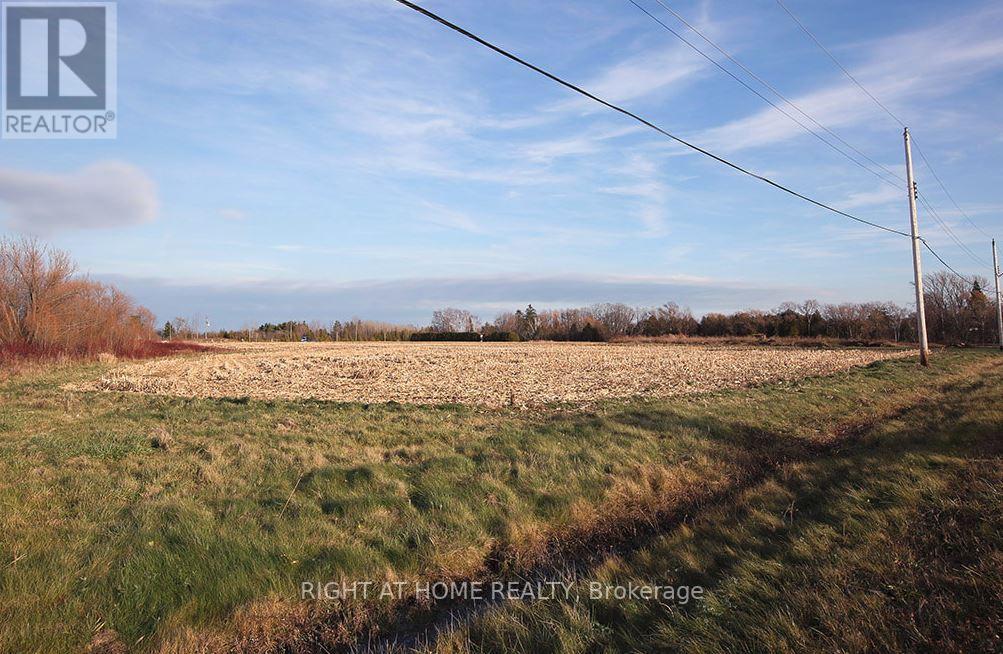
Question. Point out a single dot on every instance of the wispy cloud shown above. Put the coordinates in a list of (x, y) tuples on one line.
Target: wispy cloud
[(583, 143), (643, 183), (368, 141), (899, 70), (652, 72), (880, 196), (442, 216)]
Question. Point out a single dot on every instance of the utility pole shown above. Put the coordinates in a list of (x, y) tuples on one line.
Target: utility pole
[(917, 265), (999, 310)]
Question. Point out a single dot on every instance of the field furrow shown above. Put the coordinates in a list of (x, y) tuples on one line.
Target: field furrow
[(491, 374)]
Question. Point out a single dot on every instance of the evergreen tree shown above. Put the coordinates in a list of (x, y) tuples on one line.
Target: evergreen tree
[(531, 323)]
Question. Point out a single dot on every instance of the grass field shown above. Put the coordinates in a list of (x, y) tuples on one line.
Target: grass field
[(135, 522), (892, 543)]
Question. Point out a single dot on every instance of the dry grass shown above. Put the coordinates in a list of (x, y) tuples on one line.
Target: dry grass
[(890, 542), (492, 374), (814, 342), (167, 524), (26, 360)]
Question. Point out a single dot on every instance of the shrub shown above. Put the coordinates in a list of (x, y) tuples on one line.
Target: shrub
[(502, 337), (589, 333), (48, 312)]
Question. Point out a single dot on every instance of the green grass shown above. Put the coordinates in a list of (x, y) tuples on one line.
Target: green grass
[(893, 544), (102, 527)]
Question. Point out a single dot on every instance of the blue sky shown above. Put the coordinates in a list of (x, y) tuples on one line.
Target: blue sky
[(322, 160)]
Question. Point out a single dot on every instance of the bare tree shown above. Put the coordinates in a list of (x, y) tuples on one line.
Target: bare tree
[(453, 320), (810, 311), (957, 309), (44, 306), (617, 319)]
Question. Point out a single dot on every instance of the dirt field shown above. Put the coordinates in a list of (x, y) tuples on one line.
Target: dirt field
[(473, 373)]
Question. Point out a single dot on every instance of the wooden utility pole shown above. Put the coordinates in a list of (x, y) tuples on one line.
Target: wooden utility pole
[(999, 310), (917, 264)]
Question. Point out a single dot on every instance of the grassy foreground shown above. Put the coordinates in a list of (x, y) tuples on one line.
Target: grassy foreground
[(893, 543), (140, 523)]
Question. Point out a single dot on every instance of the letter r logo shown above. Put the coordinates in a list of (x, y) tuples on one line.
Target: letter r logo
[(56, 56)]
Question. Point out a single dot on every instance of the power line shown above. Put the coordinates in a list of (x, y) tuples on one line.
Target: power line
[(943, 225), (751, 89), (470, 35), (946, 265), (787, 100), (836, 61), (950, 232), (883, 107), (948, 193), (456, 28), (880, 166)]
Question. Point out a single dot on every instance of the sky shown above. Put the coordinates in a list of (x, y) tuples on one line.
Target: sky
[(324, 160)]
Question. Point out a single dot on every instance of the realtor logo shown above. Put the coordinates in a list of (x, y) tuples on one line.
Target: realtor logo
[(59, 69)]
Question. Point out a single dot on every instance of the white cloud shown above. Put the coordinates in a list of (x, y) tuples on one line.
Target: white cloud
[(643, 184), (102, 195), (591, 142), (653, 219), (901, 71), (876, 198), (639, 76), (437, 214)]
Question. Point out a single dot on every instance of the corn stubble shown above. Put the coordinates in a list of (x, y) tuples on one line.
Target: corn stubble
[(487, 374)]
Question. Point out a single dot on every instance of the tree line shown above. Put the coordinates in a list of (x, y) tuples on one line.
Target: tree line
[(48, 309), (355, 329), (957, 312)]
